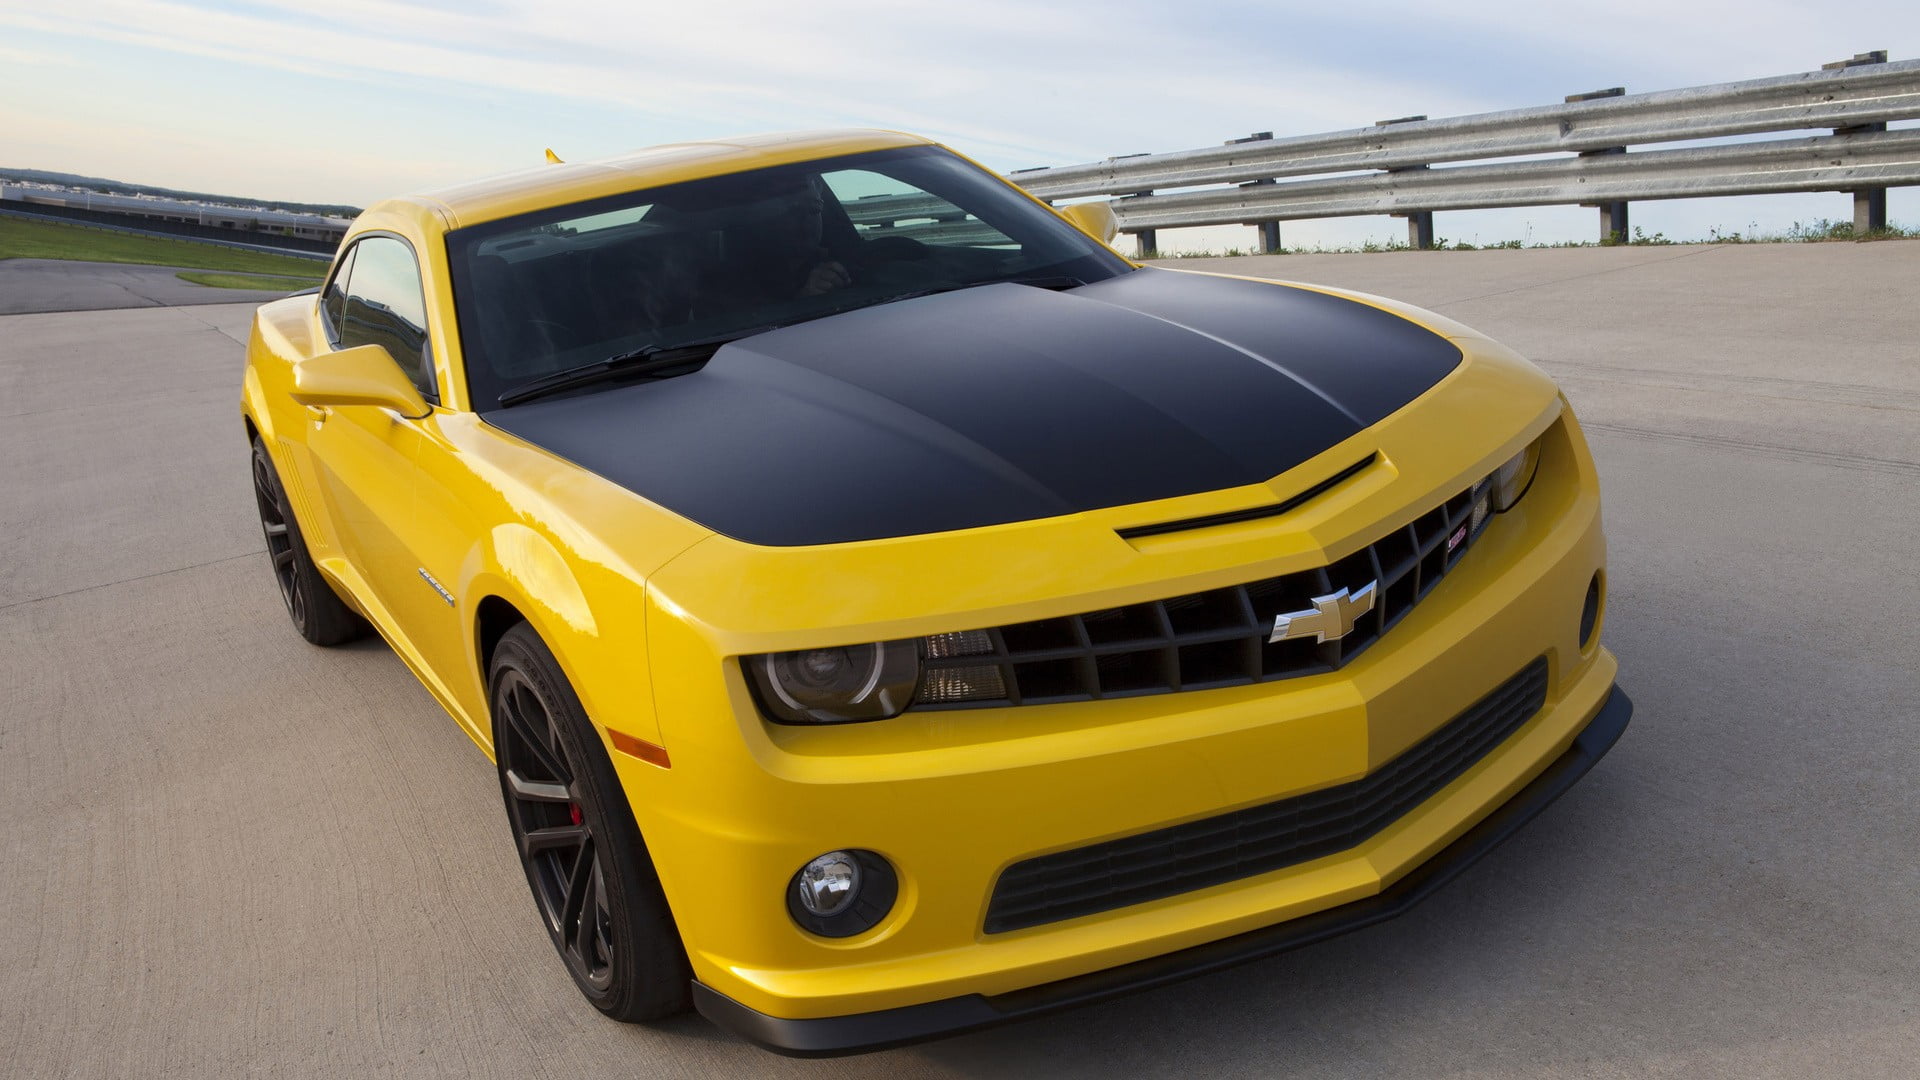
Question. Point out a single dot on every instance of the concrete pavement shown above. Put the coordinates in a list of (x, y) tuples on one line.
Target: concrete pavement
[(229, 853), (35, 285)]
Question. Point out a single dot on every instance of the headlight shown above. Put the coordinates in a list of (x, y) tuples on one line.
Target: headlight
[(1498, 493), (1511, 481), (837, 684)]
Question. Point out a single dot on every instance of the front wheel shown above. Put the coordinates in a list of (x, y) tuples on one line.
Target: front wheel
[(592, 879)]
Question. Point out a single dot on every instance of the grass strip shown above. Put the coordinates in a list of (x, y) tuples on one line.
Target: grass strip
[(22, 238), (257, 282)]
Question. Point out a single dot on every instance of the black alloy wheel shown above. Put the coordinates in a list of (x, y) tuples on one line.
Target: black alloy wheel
[(591, 877), (317, 611), (273, 522), (556, 841)]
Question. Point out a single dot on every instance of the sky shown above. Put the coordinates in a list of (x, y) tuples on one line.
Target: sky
[(354, 100)]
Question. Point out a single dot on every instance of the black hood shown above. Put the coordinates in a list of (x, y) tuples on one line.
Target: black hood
[(995, 404)]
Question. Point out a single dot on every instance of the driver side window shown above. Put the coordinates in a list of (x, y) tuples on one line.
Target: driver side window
[(383, 304)]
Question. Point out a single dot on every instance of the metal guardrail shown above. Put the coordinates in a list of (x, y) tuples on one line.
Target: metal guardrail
[(1825, 163), (1856, 98)]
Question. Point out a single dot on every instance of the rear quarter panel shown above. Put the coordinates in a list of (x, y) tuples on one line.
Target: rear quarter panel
[(284, 332)]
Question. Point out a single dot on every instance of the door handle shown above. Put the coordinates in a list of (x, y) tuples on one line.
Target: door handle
[(319, 413)]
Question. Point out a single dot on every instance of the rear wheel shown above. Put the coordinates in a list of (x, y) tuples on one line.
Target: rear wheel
[(592, 879), (317, 611)]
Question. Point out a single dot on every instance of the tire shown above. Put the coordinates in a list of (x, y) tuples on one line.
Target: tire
[(316, 610), (592, 879)]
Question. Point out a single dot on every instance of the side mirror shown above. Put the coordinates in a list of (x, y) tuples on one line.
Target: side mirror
[(362, 375), (1093, 218)]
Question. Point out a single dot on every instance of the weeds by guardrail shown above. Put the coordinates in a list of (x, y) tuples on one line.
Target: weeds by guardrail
[(1817, 232)]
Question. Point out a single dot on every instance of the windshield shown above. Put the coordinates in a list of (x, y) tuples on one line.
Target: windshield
[(570, 286)]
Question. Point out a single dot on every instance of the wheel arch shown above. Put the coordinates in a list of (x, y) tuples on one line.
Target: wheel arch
[(254, 414), (493, 616), (500, 606), (517, 574)]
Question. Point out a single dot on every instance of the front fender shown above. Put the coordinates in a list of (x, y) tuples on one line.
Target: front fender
[(599, 642)]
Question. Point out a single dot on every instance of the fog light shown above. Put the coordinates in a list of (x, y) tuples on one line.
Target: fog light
[(842, 893), (829, 883), (1590, 613)]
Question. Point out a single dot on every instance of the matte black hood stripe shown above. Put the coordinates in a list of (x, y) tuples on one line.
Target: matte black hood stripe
[(997, 404)]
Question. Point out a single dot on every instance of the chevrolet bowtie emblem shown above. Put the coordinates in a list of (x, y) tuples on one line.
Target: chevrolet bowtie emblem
[(1330, 619)]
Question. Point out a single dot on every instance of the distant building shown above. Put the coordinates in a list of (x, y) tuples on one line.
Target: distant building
[(241, 219)]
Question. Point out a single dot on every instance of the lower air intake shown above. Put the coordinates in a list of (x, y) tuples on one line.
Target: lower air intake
[(1260, 839)]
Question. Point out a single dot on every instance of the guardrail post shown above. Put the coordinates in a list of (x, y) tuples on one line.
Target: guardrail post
[(1419, 222), (1269, 230), (1149, 246), (1613, 215), (1869, 204), (1419, 227)]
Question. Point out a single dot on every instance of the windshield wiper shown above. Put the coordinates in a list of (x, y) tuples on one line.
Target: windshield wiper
[(639, 363), (1056, 282)]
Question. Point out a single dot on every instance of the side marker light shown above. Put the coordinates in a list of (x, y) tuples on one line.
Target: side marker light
[(640, 748)]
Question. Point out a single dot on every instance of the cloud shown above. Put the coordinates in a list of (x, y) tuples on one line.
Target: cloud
[(26, 58), (1013, 83), (1025, 84)]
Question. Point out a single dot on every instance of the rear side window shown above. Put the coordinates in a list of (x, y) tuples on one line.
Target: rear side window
[(334, 301), (384, 305)]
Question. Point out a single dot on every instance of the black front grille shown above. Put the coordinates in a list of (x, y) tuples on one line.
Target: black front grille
[(1201, 640), (1260, 839)]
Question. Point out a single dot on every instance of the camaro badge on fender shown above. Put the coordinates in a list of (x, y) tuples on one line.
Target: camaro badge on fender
[(1330, 619), (437, 587)]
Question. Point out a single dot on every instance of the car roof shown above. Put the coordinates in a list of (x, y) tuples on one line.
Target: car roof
[(555, 185)]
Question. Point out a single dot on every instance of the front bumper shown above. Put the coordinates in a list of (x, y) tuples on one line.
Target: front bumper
[(827, 1036)]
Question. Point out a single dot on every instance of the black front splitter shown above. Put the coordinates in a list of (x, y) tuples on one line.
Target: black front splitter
[(832, 1035)]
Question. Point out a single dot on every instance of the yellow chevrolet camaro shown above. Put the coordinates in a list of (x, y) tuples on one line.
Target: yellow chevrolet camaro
[(891, 612)]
